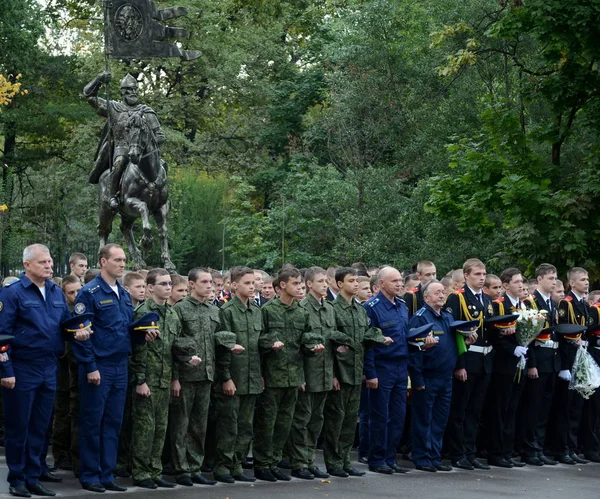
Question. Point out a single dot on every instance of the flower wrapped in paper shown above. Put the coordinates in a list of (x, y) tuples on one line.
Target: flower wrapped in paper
[(530, 323), (585, 375)]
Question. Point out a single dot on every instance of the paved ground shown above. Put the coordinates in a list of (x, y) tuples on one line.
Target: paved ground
[(548, 482)]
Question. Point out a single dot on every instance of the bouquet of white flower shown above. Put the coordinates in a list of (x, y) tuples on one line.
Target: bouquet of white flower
[(586, 374), (529, 324)]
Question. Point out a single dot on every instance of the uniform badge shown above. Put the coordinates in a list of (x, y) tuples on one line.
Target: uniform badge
[(475, 313), (561, 312), (1, 306), (590, 321), (490, 309), (80, 308), (449, 310)]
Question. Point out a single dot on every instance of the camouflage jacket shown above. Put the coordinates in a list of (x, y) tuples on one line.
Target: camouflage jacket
[(199, 323), (152, 361), (243, 369), (318, 369), (352, 320), (289, 324)]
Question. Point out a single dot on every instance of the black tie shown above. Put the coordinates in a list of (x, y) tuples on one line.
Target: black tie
[(549, 303), (480, 298)]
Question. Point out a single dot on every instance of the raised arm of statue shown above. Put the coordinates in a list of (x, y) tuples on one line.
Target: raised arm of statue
[(90, 92)]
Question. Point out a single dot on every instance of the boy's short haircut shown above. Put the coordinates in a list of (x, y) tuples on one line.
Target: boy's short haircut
[(342, 272), (594, 295), (575, 271), (90, 275), (532, 282), (364, 278), (424, 264), (508, 274), (489, 278), (285, 274), (68, 279), (268, 279), (154, 273), (177, 279), (361, 268), (313, 272), (545, 269), (374, 281), (75, 257), (195, 272), (446, 281), (471, 264), (240, 271), (215, 274), (130, 277), (332, 270)]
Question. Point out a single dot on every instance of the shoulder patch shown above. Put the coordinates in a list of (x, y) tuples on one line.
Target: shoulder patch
[(568, 298), (499, 300), (420, 312), (595, 305), (10, 284), (373, 302), (79, 308), (449, 310), (413, 291), (459, 292), (562, 312), (93, 289)]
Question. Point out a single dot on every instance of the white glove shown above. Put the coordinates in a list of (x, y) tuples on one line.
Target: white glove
[(520, 351), (566, 375)]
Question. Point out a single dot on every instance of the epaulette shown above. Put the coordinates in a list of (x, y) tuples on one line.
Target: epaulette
[(596, 305), (9, 284), (499, 300), (94, 289), (373, 302), (568, 298), (420, 312), (458, 291)]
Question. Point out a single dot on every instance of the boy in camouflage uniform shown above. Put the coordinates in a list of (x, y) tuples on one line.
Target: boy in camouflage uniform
[(341, 407), (318, 373), (152, 371), (286, 336), (238, 378)]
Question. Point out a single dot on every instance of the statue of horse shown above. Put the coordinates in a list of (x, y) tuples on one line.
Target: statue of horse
[(143, 193)]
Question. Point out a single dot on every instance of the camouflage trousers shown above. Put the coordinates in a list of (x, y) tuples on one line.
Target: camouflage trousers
[(274, 415), (234, 432), (74, 409), (61, 427), (306, 428), (149, 417), (188, 418), (341, 414)]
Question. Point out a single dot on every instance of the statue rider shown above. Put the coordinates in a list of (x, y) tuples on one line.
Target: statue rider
[(121, 113)]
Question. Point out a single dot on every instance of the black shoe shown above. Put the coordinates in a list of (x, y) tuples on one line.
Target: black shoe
[(303, 473), (53, 468), (19, 491), (339, 472), (280, 475), (265, 475), (65, 464), (206, 468), (284, 464), (50, 477), (534, 461), (478, 465), (244, 478), (594, 457), (500, 462), (114, 487), (363, 460), (443, 467), (247, 465), (566, 459), (398, 469), (39, 490), (546, 460), (463, 464), (165, 484), (146, 483), (352, 471), (431, 469), (224, 478), (318, 473), (384, 469), (121, 473), (94, 487), (578, 460), (517, 464), (185, 480), (202, 480)]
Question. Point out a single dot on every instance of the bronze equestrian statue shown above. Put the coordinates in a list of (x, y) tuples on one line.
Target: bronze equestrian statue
[(136, 185)]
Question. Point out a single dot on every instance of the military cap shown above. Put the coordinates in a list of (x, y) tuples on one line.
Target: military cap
[(5, 340), (75, 323), (570, 331), (184, 348), (225, 339), (145, 323), (464, 328), (417, 335), (502, 321), (546, 334)]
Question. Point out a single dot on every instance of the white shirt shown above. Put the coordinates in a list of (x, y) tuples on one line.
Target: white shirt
[(43, 291), (115, 288)]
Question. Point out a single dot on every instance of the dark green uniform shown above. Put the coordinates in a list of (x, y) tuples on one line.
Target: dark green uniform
[(341, 407), (283, 371), (189, 414), (152, 363), (236, 413), (318, 374)]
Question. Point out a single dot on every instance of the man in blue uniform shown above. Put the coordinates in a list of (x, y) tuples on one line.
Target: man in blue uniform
[(386, 371), (431, 366), (103, 370), (32, 308)]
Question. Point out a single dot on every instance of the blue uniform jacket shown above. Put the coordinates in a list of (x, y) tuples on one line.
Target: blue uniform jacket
[(112, 316), (440, 360), (392, 319), (34, 322)]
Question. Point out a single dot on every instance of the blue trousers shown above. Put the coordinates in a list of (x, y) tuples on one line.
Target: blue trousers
[(27, 412), (363, 424), (387, 411), (430, 410), (100, 417)]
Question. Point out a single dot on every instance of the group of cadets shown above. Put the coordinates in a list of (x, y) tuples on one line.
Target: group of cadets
[(284, 361)]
